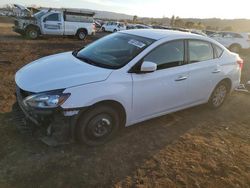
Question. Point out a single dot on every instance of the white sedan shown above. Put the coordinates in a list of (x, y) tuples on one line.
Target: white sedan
[(125, 78)]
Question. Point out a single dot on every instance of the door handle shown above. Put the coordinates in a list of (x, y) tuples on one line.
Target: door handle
[(216, 71), (180, 78), (59, 23)]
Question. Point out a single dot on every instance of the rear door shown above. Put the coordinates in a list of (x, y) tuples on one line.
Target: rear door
[(52, 24), (165, 89), (204, 71)]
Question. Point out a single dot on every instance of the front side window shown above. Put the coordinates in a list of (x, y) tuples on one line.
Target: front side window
[(113, 51), (167, 55), (200, 51), (53, 17)]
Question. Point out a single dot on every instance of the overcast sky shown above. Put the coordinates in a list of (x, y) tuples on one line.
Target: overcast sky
[(153, 8)]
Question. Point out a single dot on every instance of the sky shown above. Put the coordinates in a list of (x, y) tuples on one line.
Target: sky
[(224, 9)]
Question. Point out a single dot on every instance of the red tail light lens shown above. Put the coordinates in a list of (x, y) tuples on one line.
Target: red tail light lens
[(240, 63)]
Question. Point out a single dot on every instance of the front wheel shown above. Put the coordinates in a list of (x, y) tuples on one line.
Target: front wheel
[(97, 125), (219, 95), (32, 33)]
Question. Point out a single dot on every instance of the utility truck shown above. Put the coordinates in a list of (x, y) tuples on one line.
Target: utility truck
[(56, 22)]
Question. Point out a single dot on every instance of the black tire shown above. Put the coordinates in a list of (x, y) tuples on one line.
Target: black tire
[(103, 29), (235, 48), (32, 33), (219, 95), (114, 31), (97, 125), (81, 34)]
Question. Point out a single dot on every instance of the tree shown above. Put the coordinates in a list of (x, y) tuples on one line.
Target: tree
[(179, 22), (189, 25), (172, 21), (135, 19)]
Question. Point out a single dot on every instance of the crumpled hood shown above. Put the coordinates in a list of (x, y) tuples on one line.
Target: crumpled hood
[(58, 71)]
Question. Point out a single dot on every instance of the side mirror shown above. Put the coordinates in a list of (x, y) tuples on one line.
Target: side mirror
[(148, 66)]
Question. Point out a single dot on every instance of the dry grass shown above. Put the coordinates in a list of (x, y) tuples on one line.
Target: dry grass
[(196, 147)]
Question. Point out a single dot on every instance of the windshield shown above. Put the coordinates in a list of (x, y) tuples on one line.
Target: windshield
[(39, 14), (113, 51)]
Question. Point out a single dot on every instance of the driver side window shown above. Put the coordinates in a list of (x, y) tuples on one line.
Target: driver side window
[(167, 55), (53, 17)]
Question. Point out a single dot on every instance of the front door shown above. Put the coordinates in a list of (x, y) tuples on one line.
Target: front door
[(165, 89), (52, 24)]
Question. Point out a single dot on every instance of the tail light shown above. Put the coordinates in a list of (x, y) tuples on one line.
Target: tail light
[(240, 63)]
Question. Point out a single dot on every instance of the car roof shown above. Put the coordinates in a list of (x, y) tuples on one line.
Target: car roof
[(157, 34)]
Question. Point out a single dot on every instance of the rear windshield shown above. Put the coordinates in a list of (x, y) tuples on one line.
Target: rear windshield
[(113, 51)]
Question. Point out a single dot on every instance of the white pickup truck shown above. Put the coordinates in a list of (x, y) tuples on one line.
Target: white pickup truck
[(58, 23)]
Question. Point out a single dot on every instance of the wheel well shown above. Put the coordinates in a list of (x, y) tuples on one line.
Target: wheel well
[(33, 27), (118, 106), (228, 81), (235, 44), (82, 29)]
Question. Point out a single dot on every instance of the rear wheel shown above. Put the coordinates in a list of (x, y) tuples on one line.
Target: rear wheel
[(81, 35), (103, 29), (97, 125), (235, 48), (219, 95), (115, 30)]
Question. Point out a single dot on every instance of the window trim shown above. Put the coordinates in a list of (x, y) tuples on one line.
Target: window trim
[(216, 55), (188, 40), (136, 67)]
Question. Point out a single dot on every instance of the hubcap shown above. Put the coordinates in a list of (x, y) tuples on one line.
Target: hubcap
[(219, 95), (81, 35), (33, 34), (99, 127)]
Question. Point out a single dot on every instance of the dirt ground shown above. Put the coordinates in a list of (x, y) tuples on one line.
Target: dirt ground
[(197, 147)]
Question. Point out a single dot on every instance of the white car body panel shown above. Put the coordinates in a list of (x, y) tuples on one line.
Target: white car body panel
[(58, 72), (143, 96)]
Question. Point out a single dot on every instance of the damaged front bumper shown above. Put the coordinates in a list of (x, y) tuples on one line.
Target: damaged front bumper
[(58, 124)]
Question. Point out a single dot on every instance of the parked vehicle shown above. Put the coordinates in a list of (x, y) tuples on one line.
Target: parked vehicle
[(160, 27), (233, 41), (198, 32), (125, 78), (57, 23), (141, 26), (113, 26), (209, 32)]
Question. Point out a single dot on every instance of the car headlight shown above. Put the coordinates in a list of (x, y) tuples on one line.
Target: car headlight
[(46, 100)]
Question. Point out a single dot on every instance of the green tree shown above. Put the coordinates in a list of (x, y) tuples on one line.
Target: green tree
[(135, 19)]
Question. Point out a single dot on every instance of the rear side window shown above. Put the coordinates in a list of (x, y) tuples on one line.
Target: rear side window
[(218, 51), (167, 55), (200, 51)]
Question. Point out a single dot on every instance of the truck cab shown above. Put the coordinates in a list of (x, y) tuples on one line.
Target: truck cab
[(57, 23)]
